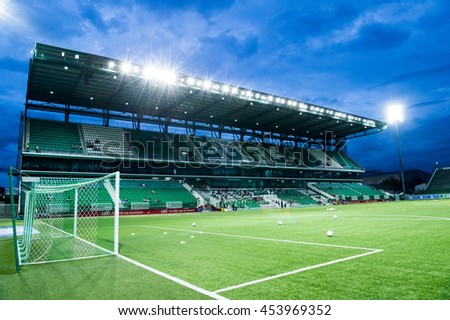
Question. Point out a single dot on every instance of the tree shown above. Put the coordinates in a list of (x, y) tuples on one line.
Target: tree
[(391, 185)]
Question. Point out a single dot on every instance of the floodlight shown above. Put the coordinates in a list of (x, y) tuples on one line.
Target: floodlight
[(207, 84), (126, 67), (111, 64), (395, 113), (161, 74)]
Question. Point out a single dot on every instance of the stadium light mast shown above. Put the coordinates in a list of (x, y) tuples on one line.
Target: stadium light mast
[(395, 115)]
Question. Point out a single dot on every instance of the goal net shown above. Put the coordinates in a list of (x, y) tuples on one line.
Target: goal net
[(68, 218)]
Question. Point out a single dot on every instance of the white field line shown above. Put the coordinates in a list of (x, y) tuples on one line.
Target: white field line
[(262, 239), (371, 251), (295, 271), (326, 216), (76, 237), (68, 259), (186, 284), (162, 274)]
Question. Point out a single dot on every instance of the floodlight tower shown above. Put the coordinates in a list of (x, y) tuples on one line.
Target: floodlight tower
[(395, 115)]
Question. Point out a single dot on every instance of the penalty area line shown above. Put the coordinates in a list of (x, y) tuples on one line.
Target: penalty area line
[(296, 271), (261, 239), (186, 284)]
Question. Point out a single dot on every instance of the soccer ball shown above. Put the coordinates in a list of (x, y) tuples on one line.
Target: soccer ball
[(182, 242), (133, 234), (193, 224), (192, 237), (335, 216), (280, 222), (330, 233)]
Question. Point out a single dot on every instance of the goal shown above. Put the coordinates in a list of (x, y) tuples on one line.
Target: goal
[(68, 218)]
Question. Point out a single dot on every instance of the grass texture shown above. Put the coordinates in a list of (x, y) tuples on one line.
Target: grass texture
[(393, 250)]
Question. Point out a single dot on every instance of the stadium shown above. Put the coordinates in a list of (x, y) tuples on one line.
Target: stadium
[(187, 188)]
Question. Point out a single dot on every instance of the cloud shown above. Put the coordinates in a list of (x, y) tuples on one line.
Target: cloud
[(419, 74), (379, 37), (428, 103), (229, 45), (206, 7), (13, 65)]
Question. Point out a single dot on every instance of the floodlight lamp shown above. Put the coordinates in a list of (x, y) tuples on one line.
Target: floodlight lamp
[(162, 75), (126, 67), (111, 64), (395, 113), (207, 84)]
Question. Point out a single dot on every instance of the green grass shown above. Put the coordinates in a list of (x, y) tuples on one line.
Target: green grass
[(234, 248)]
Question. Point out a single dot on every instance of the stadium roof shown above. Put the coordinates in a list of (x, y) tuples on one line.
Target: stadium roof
[(73, 78)]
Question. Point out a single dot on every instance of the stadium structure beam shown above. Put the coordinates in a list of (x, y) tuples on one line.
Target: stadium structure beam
[(213, 104), (256, 116), (240, 107)]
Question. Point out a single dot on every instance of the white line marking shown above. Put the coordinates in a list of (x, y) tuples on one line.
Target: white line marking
[(186, 284), (263, 239), (69, 259), (295, 271), (371, 251)]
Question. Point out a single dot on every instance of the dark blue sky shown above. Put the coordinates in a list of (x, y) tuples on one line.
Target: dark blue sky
[(354, 56)]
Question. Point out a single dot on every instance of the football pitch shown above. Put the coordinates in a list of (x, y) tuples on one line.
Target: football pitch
[(393, 250)]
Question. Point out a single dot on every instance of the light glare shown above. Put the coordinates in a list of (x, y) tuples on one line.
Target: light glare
[(395, 113)]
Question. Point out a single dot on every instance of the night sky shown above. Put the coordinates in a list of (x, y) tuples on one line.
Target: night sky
[(354, 56)]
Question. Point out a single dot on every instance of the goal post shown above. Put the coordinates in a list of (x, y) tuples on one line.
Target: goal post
[(68, 218)]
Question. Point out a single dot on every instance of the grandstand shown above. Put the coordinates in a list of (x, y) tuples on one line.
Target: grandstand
[(187, 139), (439, 182)]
